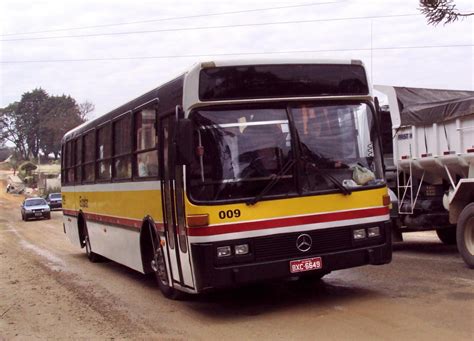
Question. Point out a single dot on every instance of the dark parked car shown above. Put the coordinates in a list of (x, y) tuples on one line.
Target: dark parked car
[(35, 208), (54, 200)]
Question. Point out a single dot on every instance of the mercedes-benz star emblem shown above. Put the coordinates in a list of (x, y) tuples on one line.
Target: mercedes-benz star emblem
[(304, 242)]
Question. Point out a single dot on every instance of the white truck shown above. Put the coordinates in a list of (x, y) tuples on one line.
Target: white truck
[(433, 160)]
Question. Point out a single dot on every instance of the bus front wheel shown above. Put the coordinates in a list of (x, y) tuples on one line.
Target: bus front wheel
[(159, 268), (465, 234)]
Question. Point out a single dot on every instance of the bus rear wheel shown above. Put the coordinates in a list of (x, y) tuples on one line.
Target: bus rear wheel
[(92, 256), (161, 274), (465, 234)]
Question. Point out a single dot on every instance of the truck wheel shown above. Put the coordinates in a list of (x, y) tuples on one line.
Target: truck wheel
[(447, 235), (465, 234)]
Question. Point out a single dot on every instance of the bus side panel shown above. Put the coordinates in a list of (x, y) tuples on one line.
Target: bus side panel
[(72, 232), (119, 244), (69, 204)]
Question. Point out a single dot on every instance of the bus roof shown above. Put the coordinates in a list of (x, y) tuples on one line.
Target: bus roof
[(173, 88), (275, 61), (174, 85)]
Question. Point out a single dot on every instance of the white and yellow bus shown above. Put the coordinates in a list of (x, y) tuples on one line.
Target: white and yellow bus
[(234, 172)]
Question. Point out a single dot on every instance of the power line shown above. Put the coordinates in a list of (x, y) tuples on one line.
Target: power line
[(234, 54), (211, 27), (175, 18)]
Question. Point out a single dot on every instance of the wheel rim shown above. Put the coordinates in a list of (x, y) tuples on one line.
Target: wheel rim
[(469, 235), (158, 265), (88, 245)]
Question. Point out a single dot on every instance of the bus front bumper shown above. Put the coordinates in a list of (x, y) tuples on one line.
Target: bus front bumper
[(211, 276)]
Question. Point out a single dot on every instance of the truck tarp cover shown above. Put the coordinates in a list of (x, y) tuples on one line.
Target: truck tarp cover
[(427, 106)]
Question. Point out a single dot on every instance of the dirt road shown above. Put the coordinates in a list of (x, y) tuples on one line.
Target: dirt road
[(48, 289)]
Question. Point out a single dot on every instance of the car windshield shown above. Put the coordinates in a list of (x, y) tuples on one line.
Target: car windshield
[(35, 202), (55, 196), (282, 151)]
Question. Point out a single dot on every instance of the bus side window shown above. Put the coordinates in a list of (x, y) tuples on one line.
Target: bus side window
[(146, 143), (104, 152), (70, 162), (78, 153), (88, 174), (122, 149)]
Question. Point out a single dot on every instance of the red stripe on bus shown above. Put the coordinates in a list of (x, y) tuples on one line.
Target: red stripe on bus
[(70, 213), (285, 222), (112, 220)]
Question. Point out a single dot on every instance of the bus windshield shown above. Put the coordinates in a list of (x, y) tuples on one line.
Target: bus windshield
[(281, 152)]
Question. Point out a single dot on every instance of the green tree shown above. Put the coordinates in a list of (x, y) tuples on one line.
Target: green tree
[(60, 114), (437, 11), (38, 122), (29, 116), (14, 129)]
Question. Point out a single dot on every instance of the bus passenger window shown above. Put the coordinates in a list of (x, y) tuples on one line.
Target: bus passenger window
[(147, 164), (104, 152), (70, 162), (122, 149), (145, 129), (78, 153), (146, 143), (89, 158)]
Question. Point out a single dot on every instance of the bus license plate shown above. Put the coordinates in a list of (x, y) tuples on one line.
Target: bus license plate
[(306, 264)]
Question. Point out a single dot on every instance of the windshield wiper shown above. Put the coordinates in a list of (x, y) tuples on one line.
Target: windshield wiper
[(327, 176), (274, 179)]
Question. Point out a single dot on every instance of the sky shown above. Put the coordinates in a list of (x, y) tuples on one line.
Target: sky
[(156, 40)]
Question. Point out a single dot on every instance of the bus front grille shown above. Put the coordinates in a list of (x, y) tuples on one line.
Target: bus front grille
[(284, 245)]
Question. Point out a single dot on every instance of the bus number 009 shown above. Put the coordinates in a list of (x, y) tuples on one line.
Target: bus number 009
[(229, 214)]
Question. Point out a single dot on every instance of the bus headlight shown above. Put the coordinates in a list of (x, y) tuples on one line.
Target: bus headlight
[(224, 251), (373, 231), (359, 234), (242, 249)]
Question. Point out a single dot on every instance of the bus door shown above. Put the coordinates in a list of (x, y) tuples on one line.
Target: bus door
[(172, 184)]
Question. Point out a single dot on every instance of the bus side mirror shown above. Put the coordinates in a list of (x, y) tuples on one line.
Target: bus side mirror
[(184, 142)]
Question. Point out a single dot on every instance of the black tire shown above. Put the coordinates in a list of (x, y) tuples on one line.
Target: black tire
[(158, 265), (48, 216), (447, 235), (465, 235), (93, 257)]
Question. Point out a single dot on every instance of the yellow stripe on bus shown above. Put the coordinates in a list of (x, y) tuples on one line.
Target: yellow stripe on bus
[(290, 207), (138, 204), (126, 204)]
